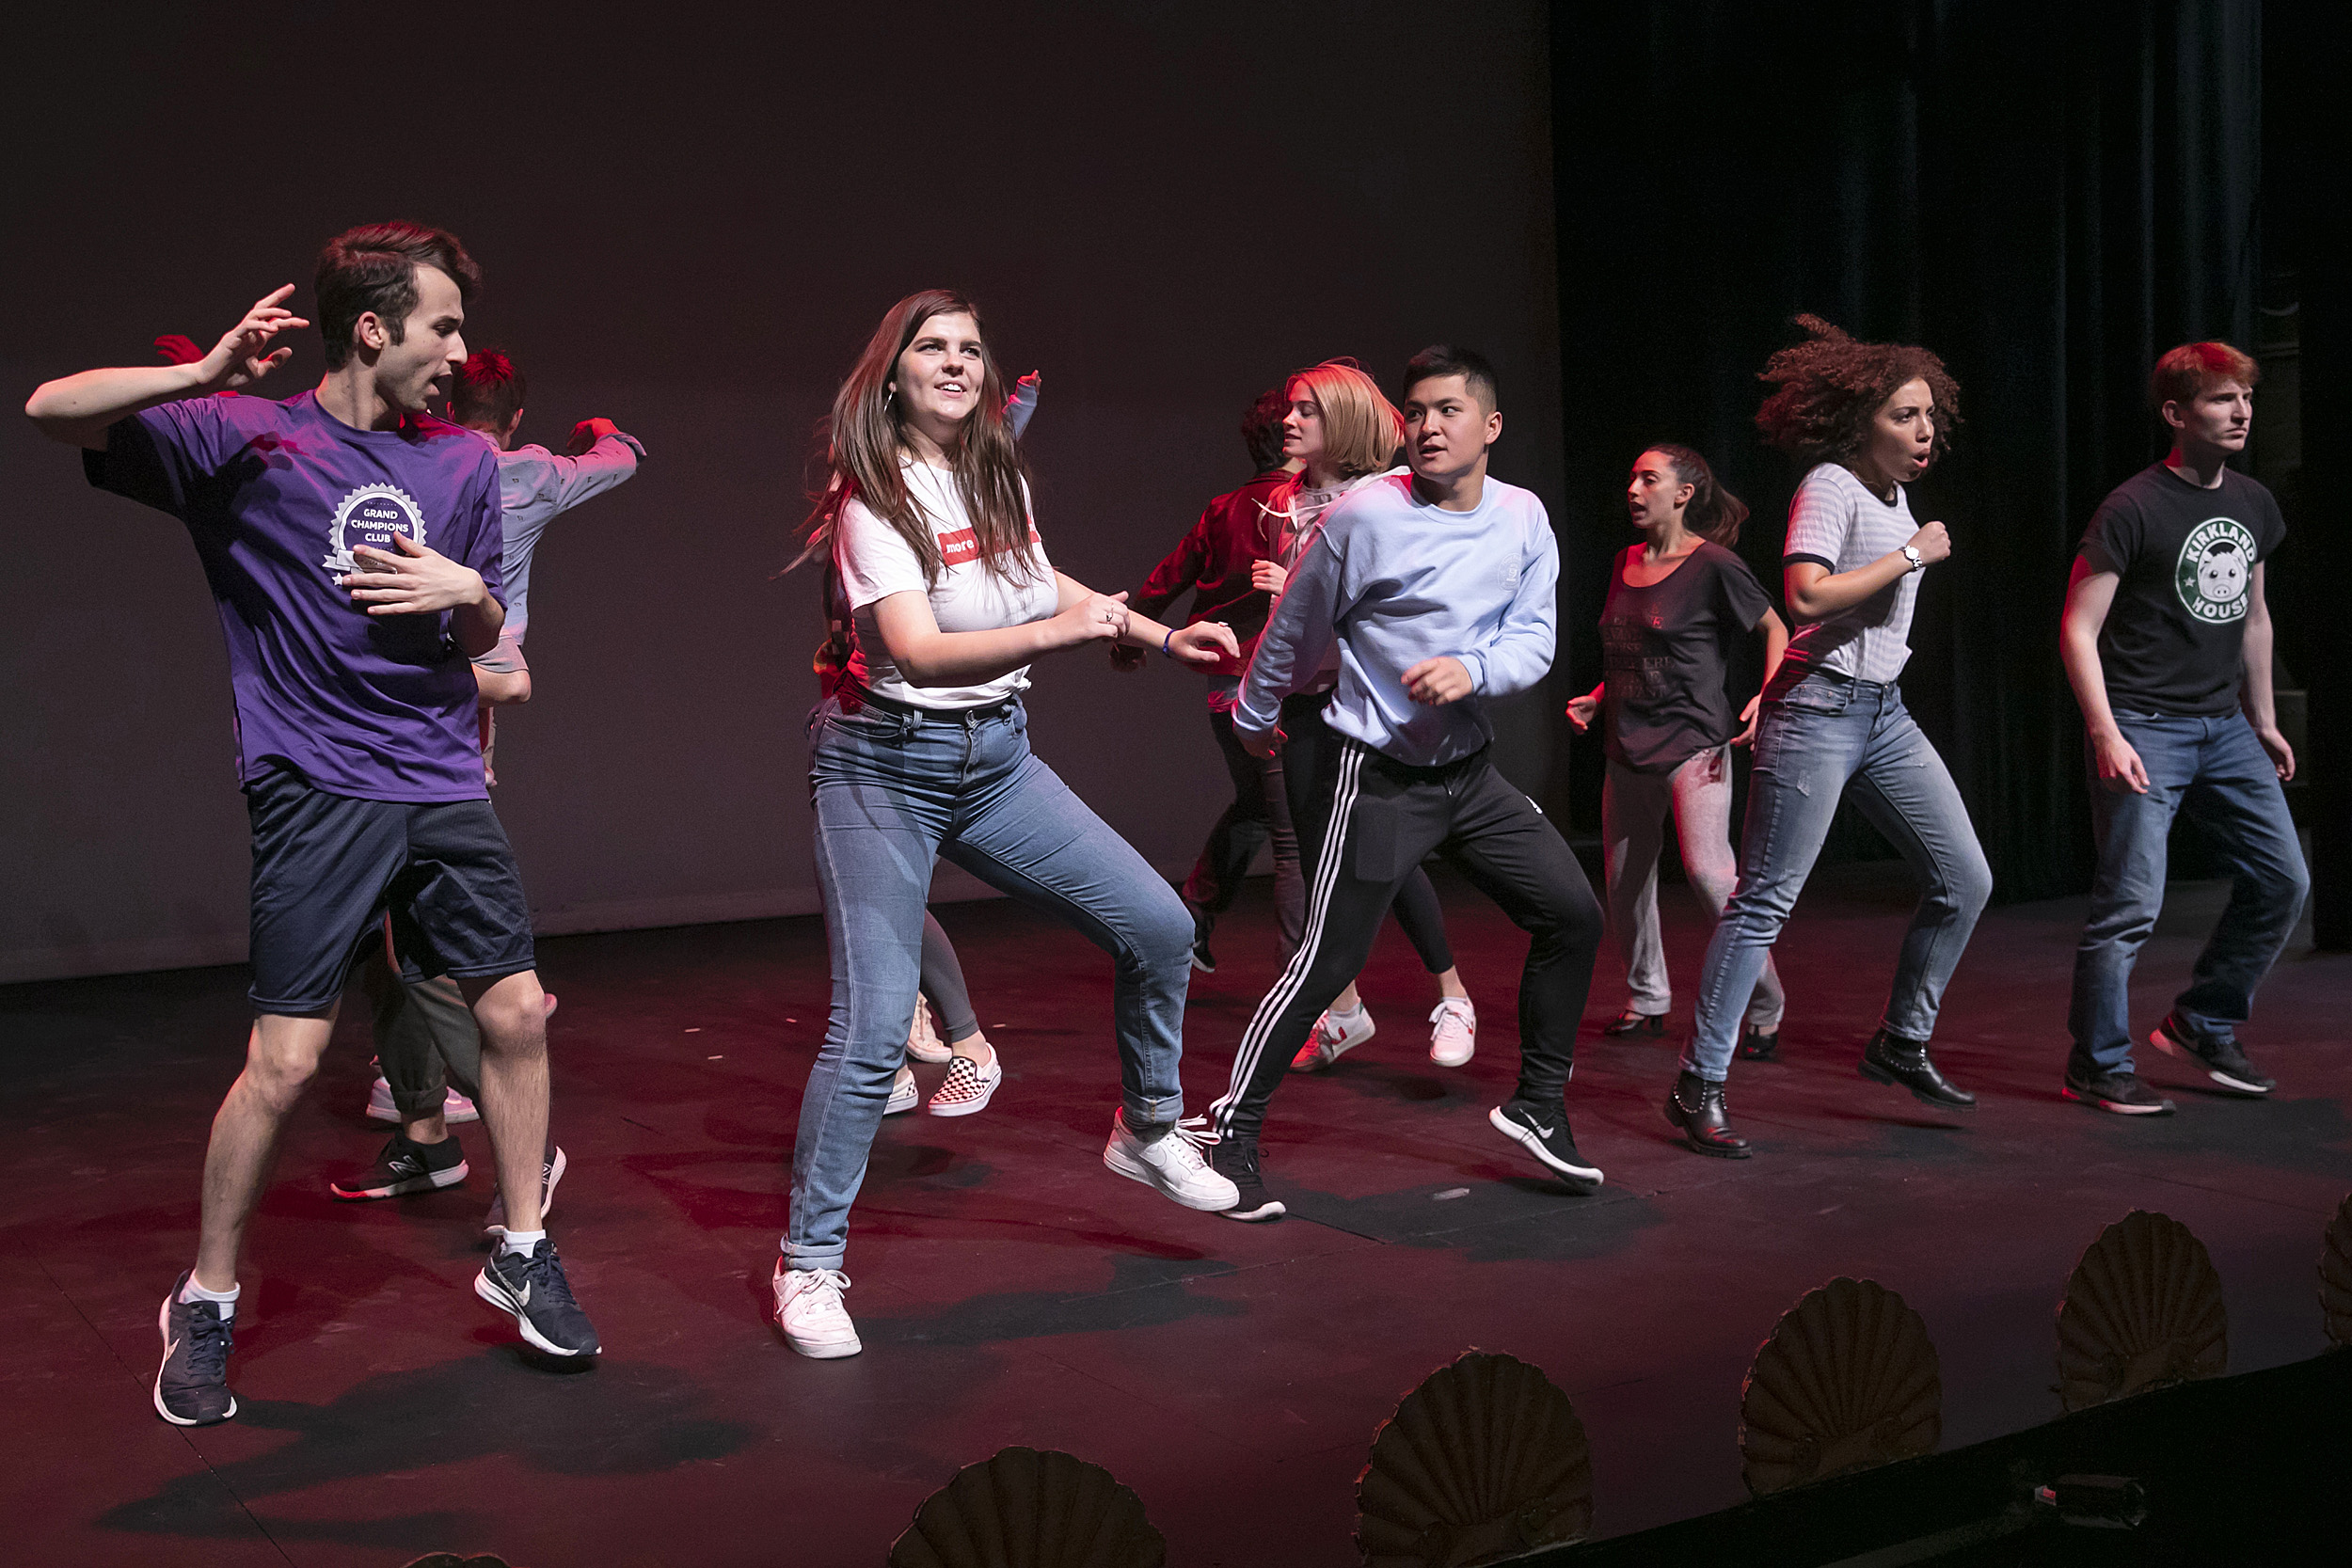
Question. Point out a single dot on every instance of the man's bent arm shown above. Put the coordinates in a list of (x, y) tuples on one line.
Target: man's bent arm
[(75, 410)]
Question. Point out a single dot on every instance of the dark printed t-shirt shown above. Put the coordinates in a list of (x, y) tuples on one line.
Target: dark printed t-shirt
[(1665, 655), (2186, 557), (275, 494)]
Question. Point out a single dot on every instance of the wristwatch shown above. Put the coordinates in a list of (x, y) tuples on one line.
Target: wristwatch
[(1919, 561)]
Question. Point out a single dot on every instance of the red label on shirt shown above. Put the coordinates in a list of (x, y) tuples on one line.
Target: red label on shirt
[(957, 547)]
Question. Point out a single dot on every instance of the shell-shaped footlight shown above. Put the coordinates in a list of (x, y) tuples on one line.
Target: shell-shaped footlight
[(2335, 1274), (1848, 1380), (1030, 1509), (1484, 1461), (2142, 1310)]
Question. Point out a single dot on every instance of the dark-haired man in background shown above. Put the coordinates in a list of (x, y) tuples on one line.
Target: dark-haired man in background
[(1231, 564), (352, 544), (2165, 639), (1436, 587)]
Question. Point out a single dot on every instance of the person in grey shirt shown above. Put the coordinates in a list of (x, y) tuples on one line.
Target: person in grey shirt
[(422, 1026), (1868, 419)]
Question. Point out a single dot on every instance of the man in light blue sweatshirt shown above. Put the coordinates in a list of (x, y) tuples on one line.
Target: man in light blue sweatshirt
[(1436, 588)]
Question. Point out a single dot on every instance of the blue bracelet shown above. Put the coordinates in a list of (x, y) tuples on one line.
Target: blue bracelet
[(1165, 641)]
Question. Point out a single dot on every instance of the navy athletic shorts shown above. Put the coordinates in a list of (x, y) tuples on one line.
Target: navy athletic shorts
[(327, 867)]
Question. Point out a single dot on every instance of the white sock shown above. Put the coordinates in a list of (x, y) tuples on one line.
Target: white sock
[(225, 1300), (522, 1241), (1357, 1011)]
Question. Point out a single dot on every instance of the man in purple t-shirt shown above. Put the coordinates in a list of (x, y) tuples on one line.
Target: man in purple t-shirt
[(352, 544)]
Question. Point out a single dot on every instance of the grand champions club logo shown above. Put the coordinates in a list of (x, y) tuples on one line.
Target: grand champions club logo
[(2217, 562), (370, 516)]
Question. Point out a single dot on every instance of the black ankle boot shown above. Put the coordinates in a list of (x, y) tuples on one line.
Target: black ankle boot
[(1758, 1046), (1891, 1060), (1698, 1107)]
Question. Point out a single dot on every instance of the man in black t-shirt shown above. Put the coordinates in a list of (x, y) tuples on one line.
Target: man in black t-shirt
[(2167, 643)]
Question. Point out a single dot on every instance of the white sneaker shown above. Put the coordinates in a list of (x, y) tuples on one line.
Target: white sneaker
[(1172, 1162), (903, 1093), (923, 1043), (456, 1108), (968, 1088), (550, 1172), (809, 1311), (1454, 1038), (1335, 1035)]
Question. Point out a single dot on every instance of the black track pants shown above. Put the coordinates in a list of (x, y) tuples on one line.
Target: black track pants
[(1367, 825)]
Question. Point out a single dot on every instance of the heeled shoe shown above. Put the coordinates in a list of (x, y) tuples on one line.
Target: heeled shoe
[(1756, 1046), (1648, 1026), (1698, 1110), (1890, 1059)]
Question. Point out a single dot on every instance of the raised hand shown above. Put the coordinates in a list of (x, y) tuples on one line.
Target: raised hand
[(1933, 542), (588, 433), (415, 581), (1203, 643), (244, 355)]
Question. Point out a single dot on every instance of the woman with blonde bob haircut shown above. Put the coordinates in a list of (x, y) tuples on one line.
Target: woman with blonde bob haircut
[(921, 751), (1342, 432)]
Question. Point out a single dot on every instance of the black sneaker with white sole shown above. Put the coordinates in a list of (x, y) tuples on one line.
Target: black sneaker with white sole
[(2221, 1059), (403, 1167), (192, 1385), (1237, 1162), (531, 1287), (2120, 1092), (1547, 1138)]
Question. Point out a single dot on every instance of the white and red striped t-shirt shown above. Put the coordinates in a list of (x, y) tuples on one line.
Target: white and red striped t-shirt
[(875, 563)]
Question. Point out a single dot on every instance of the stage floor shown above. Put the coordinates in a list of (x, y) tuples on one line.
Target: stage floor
[(1009, 1290)]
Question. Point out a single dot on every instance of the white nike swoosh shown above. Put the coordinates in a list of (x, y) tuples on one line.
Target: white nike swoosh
[(171, 1348)]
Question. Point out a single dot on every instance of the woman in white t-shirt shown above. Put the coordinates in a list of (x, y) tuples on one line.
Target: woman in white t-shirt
[(1868, 419), (922, 751)]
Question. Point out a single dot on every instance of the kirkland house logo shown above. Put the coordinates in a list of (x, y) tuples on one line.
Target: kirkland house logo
[(370, 516), (2217, 562)]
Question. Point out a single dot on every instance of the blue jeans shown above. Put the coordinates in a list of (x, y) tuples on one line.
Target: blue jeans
[(893, 791), (2218, 771), (1821, 738)]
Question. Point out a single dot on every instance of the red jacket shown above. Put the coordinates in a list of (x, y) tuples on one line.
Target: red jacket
[(1236, 531)]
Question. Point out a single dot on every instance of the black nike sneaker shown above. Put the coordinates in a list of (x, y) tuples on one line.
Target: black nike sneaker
[(192, 1385), (1237, 1162), (531, 1286), (1545, 1135)]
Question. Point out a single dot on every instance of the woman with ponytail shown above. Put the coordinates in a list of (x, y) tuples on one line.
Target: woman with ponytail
[(1678, 604), (921, 751)]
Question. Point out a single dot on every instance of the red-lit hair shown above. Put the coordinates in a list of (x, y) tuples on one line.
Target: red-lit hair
[(1827, 391), (2191, 369)]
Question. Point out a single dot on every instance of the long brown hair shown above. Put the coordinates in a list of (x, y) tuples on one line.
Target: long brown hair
[(864, 442)]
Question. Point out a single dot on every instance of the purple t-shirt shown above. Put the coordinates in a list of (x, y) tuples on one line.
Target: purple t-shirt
[(275, 494)]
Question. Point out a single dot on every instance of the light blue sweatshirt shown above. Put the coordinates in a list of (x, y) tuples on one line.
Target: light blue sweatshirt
[(1393, 580)]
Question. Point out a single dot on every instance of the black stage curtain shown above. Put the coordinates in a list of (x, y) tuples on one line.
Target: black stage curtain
[(2048, 195)]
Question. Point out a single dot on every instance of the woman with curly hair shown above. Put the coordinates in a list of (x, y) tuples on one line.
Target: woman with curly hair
[(921, 751), (1866, 418)]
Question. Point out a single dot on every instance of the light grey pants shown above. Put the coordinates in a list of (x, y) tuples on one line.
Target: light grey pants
[(1633, 808)]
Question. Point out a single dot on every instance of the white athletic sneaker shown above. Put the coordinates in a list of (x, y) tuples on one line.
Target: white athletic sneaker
[(1335, 1035), (924, 1044), (454, 1108), (550, 1172), (1173, 1162), (968, 1087), (809, 1311), (903, 1093), (1454, 1040)]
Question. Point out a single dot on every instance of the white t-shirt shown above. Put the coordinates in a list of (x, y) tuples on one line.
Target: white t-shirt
[(1837, 522), (875, 563)]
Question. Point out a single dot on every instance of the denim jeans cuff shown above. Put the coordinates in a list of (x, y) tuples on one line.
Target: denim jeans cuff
[(1140, 1110), (799, 1259)]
